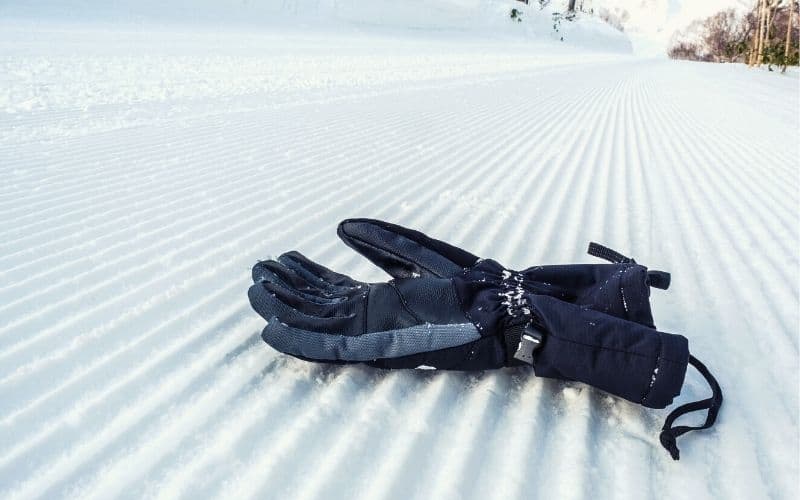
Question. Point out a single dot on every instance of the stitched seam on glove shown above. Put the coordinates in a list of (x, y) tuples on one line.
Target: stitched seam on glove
[(595, 346), (403, 302)]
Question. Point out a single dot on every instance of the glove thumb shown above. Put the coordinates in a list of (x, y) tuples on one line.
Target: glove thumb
[(403, 252)]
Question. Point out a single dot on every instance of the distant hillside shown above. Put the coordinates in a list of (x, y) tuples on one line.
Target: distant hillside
[(485, 17)]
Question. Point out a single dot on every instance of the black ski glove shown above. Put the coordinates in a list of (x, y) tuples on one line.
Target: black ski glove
[(448, 309)]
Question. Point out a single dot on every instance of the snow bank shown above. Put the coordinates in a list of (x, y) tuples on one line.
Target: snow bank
[(420, 17)]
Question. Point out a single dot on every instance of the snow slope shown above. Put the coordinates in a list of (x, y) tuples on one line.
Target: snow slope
[(484, 18), (142, 173)]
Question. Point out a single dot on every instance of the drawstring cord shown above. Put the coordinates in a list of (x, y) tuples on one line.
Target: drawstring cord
[(669, 434)]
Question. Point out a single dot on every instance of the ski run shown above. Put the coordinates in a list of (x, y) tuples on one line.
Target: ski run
[(143, 173)]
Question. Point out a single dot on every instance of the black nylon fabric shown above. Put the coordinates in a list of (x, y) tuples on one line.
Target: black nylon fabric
[(590, 323), (620, 290), (594, 337), (637, 363)]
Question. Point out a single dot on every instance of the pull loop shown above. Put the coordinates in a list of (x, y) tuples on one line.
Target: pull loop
[(656, 279), (669, 434), (605, 253)]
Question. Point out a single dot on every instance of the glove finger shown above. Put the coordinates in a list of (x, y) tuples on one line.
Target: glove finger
[(319, 346), (402, 252), (276, 272), (268, 305), (324, 307), (317, 273), (281, 288)]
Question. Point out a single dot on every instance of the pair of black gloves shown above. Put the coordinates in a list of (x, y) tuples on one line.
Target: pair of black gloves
[(448, 309)]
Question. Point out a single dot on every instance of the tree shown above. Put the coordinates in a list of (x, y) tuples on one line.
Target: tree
[(772, 42), (685, 50), (788, 45), (766, 35), (755, 46), (725, 36), (689, 43)]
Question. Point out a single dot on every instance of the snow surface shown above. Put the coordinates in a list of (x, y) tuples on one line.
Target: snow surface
[(144, 170), (419, 17)]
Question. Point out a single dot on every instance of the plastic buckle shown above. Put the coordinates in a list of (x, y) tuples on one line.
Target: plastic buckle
[(530, 341)]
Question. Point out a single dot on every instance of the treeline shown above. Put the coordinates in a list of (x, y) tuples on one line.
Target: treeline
[(768, 34)]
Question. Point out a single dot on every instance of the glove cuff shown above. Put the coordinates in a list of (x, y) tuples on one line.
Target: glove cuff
[(621, 357)]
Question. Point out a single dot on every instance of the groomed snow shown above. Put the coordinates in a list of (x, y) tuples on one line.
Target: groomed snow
[(143, 172)]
